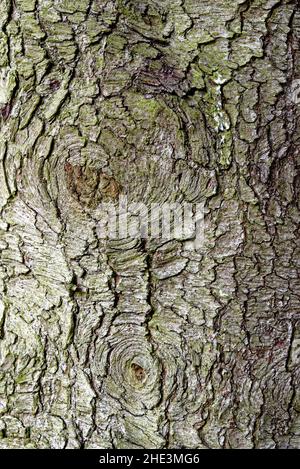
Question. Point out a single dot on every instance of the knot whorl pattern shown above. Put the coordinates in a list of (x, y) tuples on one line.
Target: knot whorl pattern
[(139, 342), (131, 372)]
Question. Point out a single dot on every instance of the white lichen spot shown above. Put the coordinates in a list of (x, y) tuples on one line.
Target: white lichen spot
[(219, 79), (7, 85), (1, 310), (220, 116), (221, 120)]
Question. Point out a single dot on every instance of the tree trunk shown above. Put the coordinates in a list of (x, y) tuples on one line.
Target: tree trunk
[(132, 343)]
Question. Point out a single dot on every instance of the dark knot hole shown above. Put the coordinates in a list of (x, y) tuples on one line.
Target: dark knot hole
[(138, 372)]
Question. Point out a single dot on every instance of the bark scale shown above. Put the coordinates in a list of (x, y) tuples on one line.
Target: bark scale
[(131, 344)]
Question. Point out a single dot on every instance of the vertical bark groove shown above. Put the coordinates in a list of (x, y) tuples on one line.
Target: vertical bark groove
[(133, 344)]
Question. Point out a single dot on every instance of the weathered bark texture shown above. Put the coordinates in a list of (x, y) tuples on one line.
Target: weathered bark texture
[(130, 344)]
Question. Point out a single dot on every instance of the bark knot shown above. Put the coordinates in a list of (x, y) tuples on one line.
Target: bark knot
[(89, 185)]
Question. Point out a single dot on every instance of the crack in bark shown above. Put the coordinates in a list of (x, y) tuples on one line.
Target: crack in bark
[(132, 344)]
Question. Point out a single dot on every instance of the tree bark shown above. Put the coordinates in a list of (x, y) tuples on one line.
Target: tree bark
[(132, 343)]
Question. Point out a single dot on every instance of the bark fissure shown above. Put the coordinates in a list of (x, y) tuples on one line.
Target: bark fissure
[(109, 343)]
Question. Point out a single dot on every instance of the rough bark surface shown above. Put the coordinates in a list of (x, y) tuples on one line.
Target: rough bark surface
[(130, 344)]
